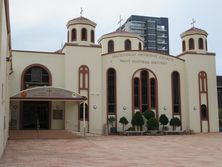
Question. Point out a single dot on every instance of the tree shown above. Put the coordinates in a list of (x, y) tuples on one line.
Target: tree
[(123, 121), (175, 122), (137, 120), (152, 124), (149, 114), (163, 120)]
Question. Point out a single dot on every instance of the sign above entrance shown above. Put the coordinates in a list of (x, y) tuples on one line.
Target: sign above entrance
[(47, 93)]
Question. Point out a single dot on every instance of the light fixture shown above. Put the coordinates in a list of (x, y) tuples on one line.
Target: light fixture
[(95, 107), (194, 108), (8, 59)]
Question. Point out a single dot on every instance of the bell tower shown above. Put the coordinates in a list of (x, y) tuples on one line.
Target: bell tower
[(194, 40), (81, 31)]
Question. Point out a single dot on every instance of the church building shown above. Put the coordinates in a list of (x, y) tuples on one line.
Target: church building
[(80, 86)]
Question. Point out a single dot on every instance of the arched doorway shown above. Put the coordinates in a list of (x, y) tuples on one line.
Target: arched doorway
[(144, 91), (35, 114)]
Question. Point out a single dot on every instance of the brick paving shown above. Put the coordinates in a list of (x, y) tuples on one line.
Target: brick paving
[(116, 151), (40, 134)]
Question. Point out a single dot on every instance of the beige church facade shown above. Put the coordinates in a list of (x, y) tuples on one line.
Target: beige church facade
[(113, 78)]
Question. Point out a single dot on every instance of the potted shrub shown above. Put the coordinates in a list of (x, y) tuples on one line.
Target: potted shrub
[(137, 120), (149, 114), (124, 122), (111, 121), (152, 124), (175, 122), (163, 120)]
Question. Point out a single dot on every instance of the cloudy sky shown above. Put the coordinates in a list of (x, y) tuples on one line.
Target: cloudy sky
[(41, 24)]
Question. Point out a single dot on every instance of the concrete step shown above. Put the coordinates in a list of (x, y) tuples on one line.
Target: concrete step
[(41, 134)]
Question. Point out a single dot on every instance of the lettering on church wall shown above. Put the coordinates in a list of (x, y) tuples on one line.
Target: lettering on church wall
[(160, 59)]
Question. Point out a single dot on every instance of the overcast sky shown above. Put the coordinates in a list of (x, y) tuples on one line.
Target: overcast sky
[(41, 24)]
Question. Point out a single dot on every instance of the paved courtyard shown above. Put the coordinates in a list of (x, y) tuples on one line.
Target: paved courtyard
[(116, 151)]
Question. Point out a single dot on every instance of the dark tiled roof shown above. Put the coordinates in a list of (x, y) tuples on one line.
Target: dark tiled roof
[(219, 80)]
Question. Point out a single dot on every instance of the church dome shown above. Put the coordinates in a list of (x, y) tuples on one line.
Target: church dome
[(120, 40), (81, 31), (194, 31), (122, 33), (81, 20), (194, 40)]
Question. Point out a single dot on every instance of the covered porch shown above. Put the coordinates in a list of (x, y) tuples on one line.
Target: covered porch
[(47, 108)]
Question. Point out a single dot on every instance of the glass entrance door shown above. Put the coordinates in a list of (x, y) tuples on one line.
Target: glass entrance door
[(35, 115)]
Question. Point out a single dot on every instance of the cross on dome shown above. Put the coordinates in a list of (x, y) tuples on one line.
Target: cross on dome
[(81, 11), (120, 22), (193, 22)]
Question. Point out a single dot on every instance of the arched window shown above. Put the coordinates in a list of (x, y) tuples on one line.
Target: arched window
[(83, 77), (73, 35), (176, 93), (206, 45), (200, 43), (92, 36), (111, 91), (136, 92), (140, 46), (203, 94), (36, 75), (184, 45), (191, 44), (144, 88), (81, 112), (110, 46), (153, 92), (203, 81), (127, 44), (204, 112), (84, 34), (67, 36), (144, 91)]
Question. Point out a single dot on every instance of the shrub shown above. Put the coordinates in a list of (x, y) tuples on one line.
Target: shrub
[(123, 121), (175, 122), (152, 124), (163, 120), (131, 129), (111, 120), (220, 117), (149, 114), (137, 120)]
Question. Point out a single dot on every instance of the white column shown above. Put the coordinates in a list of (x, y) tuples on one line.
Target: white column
[(84, 119)]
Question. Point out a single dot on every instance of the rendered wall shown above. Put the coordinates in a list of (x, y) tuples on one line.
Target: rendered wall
[(4, 76), (126, 64)]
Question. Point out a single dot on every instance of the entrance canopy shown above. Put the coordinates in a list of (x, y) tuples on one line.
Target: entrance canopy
[(47, 93)]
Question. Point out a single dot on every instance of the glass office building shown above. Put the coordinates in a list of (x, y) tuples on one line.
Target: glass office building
[(154, 30)]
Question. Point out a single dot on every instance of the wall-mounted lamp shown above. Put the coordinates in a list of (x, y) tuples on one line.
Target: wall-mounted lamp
[(95, 107), (124, 108), (8, 59)]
